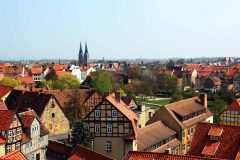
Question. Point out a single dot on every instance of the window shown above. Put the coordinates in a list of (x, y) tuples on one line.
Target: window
[(97, 128), (19, 131), (189, 144), (40, 140), (183, 135), (9, 149), (188, 131), (97, 113), (53, 104), (183, 147), (114, 113), (149, 114), (14, 136), (108, 145), (18, 145), (214, 138), (109, 128), (10, 133), (192, 130), (53, 115)]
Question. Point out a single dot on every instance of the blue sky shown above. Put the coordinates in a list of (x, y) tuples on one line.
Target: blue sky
[(117, 29)]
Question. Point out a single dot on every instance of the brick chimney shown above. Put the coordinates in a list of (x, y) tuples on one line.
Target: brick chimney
[(204, 100), (106, 94), (118, 96)]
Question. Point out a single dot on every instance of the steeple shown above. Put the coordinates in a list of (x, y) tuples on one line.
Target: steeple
[(86, 49), (80, 55), (85, 56)]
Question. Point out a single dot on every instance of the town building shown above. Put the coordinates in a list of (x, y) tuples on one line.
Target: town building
[(216, 141), (10, 131), (182, 117), (37, 74), (46, 107), (5, 91), (157, 137), (231, 114), (113, 127), (83, 59), (35, 136)]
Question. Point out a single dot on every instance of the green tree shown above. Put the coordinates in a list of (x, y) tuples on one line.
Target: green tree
[(170, 64), (170, 83), (217, 108), (66, 82), (6, 81), (80, 133), (176, 97), (103, 81), (135, 72)]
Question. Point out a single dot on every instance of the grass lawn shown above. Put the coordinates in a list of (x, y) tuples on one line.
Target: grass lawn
[(157, 102)]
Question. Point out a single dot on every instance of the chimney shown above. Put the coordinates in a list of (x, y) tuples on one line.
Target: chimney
[(106, 94), (203, 98), (118, 96)]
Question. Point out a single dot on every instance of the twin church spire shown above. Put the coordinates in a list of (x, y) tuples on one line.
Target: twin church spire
[(83, 58)]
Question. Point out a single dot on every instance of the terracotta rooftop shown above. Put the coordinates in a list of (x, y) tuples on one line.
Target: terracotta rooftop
[(234, 106), (6, 118), (137, 155), (227, 147), (4, 90), (186, 106), (27, 119), (83, 153), (215, 131), (183, 108), (25, 80), (147, 135), (36, 70), (2, 139), (14, 155)]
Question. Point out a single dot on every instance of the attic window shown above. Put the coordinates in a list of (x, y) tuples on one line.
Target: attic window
[(53, 104), (214, 138)]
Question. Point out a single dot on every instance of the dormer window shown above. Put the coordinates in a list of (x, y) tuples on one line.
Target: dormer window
[(214, 138)]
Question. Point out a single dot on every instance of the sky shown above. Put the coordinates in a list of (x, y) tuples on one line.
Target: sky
[(119, 29)]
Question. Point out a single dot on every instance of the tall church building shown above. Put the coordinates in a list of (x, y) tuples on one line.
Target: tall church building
[(83, 58)]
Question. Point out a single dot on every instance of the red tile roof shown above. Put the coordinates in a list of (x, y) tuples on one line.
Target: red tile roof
[(210, 148), (2, 139), (62, 73), (36, 70), (234, 106), (25, 138), (229, 141), (4, 90), (136, 155), (14, 155), (83, 153), (25, 80), (215, 131), (6, 117)]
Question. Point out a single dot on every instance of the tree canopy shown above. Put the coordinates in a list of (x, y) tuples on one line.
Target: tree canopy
[(6, 81), (66, 82), (103, 81)]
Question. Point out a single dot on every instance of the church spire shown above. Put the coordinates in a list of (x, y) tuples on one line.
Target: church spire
[(80, 55), (86, 49), (85, 56)]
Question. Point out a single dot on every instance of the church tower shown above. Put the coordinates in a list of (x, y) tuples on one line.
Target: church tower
[(80, 56), (86, 55)]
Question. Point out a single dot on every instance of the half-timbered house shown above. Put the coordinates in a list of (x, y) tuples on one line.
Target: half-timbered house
[(11, 131), (113, 127)]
